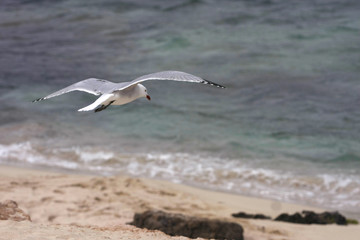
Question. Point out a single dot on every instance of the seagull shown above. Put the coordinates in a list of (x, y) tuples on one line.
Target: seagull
[(124, 92)]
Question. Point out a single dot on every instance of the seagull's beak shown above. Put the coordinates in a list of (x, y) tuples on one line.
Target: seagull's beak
[(148, 97)]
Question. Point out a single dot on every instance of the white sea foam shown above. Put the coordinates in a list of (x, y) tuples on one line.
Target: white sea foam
[(331, 190), (25, 153)]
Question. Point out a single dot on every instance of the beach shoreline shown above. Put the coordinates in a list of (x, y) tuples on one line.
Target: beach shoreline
[(99, 206)]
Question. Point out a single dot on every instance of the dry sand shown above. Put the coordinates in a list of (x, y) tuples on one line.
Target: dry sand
[(63, 206)]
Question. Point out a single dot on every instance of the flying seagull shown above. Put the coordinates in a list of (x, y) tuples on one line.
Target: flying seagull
[(125, 92)]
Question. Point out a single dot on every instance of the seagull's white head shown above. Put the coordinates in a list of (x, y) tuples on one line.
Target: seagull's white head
[(143, 92)]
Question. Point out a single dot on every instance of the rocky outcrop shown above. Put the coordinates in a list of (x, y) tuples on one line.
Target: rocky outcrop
[(192, 227), (9, 211), (252, 216), (309, 217)]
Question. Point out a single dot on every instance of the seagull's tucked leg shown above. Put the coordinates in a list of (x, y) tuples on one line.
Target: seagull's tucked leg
[(103, 107), (101, 103)]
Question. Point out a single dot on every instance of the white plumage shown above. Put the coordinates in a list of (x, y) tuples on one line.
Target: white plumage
[(125, 92)]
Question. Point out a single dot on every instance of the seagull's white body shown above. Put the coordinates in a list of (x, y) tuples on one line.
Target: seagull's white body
[(125, 92), (118, 97)]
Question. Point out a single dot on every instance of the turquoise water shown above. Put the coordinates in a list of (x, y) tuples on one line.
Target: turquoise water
[(287, 126)]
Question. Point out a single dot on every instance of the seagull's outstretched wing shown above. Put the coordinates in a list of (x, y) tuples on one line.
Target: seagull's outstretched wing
[(169, 76), (91, 85)]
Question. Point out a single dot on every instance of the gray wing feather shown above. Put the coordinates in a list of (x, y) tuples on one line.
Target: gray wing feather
[(91, 85), (170, 76)]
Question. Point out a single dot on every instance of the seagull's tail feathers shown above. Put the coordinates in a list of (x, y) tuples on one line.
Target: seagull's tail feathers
[(104, 100)]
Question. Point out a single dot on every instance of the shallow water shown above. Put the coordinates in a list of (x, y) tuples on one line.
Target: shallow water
[(287, 126)]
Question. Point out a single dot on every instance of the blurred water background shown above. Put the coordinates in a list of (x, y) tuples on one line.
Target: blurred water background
[(287, 127)]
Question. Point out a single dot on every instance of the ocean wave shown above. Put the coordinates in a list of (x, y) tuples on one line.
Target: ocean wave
[(334, 191)]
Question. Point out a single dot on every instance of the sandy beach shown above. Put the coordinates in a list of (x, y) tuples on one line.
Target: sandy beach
[(64, 206)]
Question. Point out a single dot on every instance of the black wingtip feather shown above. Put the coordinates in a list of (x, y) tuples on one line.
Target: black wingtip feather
[(212, 83), (39, 99)]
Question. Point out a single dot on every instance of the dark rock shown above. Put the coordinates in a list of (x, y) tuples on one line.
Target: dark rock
[(192, 227), (310, 217), (326, 217), (253, 216), (295, 218), (9, 211)]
